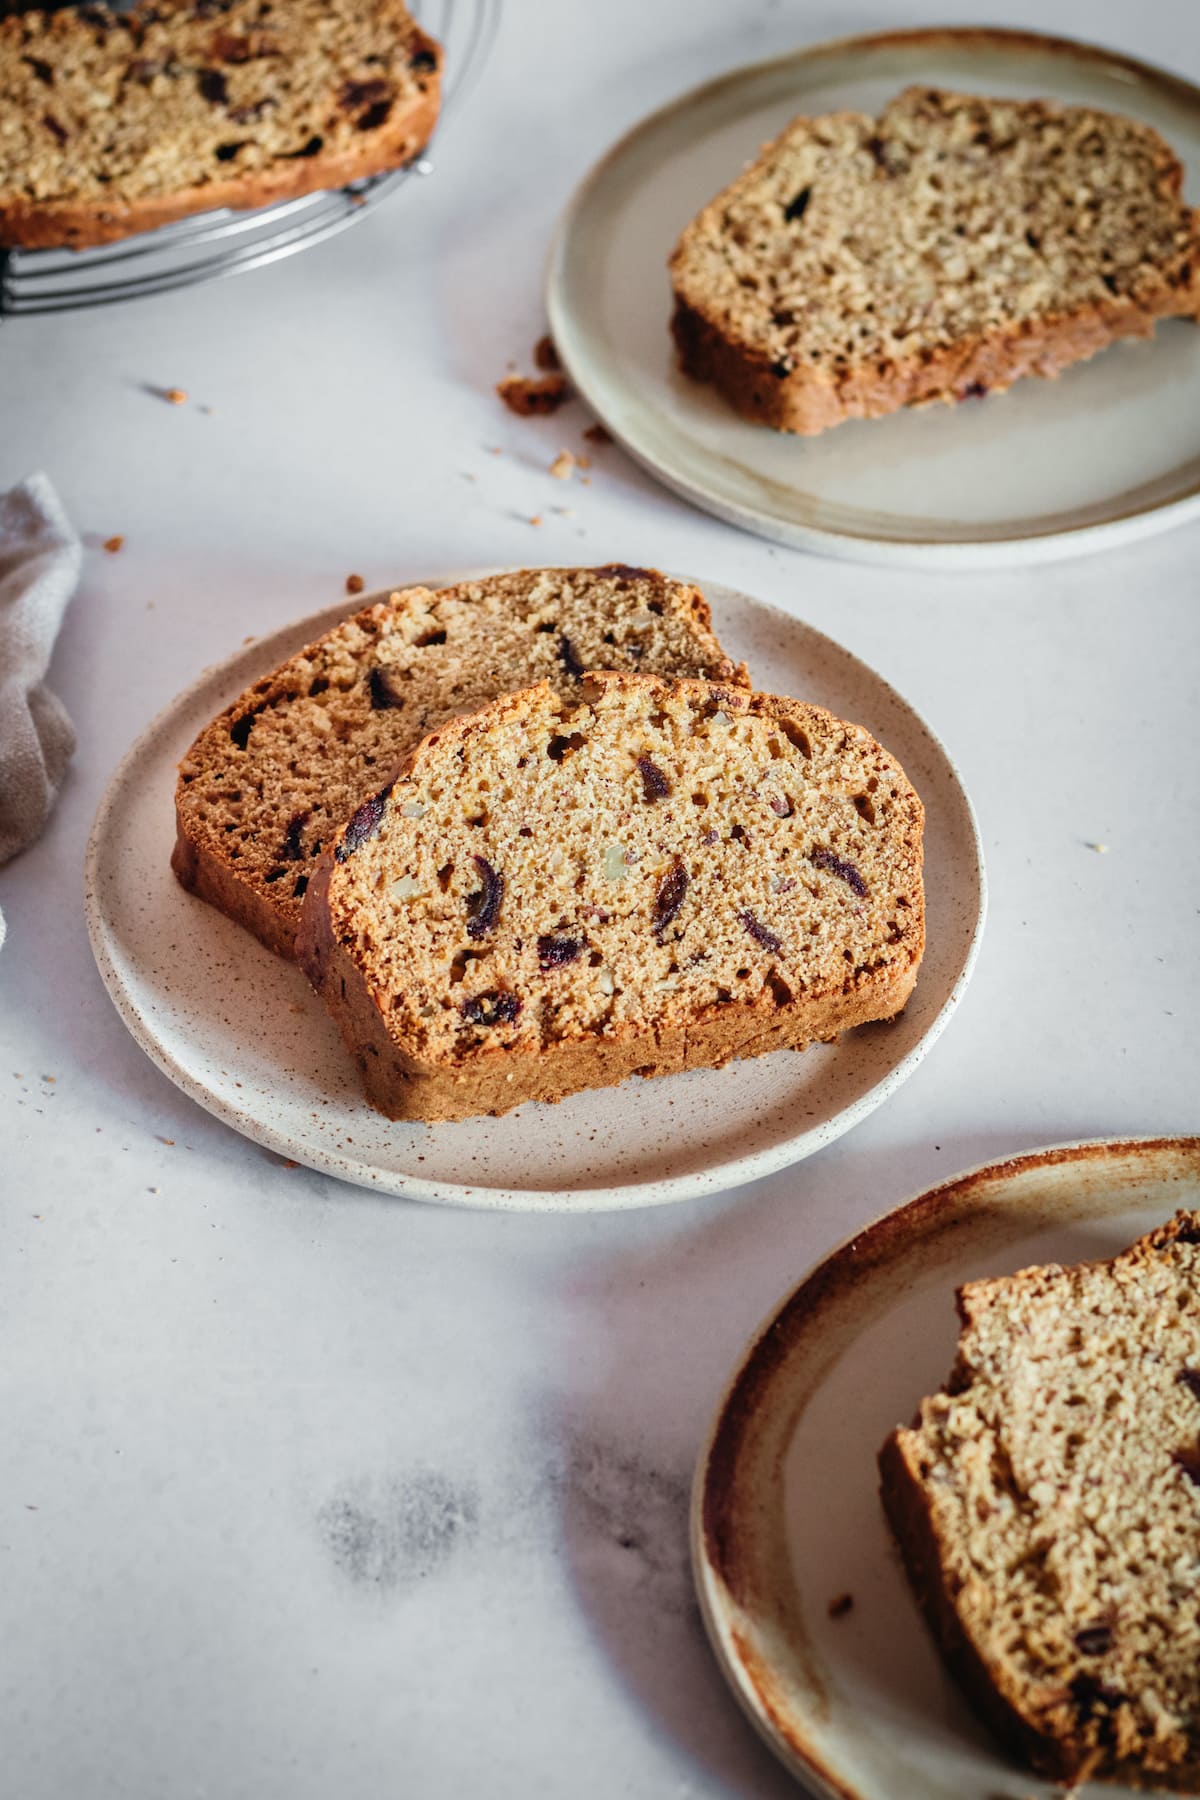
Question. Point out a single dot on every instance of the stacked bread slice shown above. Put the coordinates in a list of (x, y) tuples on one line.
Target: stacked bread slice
[(536, 833), (268, 785)]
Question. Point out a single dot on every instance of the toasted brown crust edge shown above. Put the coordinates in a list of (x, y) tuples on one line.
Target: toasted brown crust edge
[(806, 402), (210, 879), (404, 1086), (78, 225), (903, 1499)]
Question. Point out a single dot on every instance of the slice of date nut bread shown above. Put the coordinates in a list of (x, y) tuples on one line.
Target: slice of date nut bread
[(1047, 1504), (270, 782), (111, 123), (660, 876), (938, 252)]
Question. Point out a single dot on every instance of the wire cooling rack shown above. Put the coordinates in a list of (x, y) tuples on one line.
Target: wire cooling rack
[(215, 244)]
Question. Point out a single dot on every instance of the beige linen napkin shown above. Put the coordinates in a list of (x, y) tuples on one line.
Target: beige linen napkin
[(39, 567)]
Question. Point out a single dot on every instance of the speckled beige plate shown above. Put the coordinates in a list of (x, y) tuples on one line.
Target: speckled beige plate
[(786, 1513), (1016, 478), (242, 1033)]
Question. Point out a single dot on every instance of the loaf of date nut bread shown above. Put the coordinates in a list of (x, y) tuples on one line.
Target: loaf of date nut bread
[(938, 252), (111, 123), (1047, 1503), (654, 876), (271, 781)]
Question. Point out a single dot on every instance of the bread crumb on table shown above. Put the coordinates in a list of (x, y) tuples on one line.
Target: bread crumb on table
[(596, 434), (113, 544), (1100, 849), (176, 396), (530, 397), (545, 354), (355, 584), (536, 519), (562, 466)]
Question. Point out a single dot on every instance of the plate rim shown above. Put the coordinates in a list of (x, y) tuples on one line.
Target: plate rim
[(1012, 549), (784, 1325), (713, 1178)]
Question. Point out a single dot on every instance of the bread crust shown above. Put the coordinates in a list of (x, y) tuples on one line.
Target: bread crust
[(404, 1085), (902, 1492), (81, 225), (806, 402), (210, 878)]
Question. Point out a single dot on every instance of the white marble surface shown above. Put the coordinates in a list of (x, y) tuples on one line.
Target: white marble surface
[(307, 1492)]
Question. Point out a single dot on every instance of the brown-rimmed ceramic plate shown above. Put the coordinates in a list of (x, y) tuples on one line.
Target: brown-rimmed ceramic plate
[(786, 1517), (1015, 478)]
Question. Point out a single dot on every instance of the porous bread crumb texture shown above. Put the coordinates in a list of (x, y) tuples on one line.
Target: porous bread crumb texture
[(268, 785), (661, 875), (114, 122), (938, 252), (1048, 1506)]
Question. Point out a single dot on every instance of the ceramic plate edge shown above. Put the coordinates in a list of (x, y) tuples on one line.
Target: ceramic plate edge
[(1004, 552), (809, 1767)]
